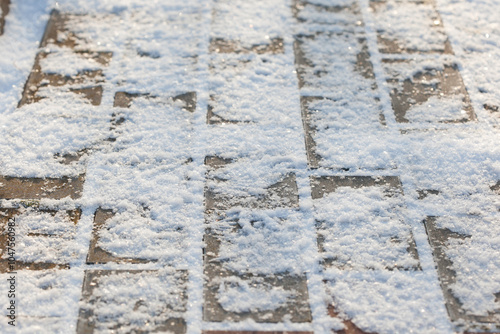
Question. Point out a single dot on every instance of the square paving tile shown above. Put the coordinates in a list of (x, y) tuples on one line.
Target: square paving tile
[(329, 103), (113, 241), (133, 301), (223, 287), (96, 253), (362, 213), (42, 237)]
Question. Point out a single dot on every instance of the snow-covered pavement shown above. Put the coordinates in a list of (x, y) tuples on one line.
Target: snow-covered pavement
[(239, 167)]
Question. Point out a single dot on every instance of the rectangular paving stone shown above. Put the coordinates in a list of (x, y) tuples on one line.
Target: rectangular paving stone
[(155, 302), (85, 83), (96, 253), (323, 185), (329, 103), (10, 216), (281, 194), (39, 188), (249, 89), (317, 66), (4, 5), (217, 277), (221, 279), (379, 200), (419, 97), (310, 12), (430, 36), (439, 239)]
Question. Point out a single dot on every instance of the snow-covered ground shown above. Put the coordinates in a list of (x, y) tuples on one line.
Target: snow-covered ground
[(233, 165)]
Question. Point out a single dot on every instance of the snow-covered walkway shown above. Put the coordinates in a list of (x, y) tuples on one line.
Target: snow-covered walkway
[(239, 167)]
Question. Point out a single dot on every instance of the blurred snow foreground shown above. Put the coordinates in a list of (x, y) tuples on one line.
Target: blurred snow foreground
[(232, 166)]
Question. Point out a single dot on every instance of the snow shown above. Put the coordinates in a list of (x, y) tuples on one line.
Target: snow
[(363, 249), (236, 295)]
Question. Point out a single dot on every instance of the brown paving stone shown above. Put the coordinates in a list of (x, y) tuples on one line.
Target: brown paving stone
[(58, 34), (349, 326), (39, 188), (8, 216), (438, 239), (98, 255), (283, 193), (4, 5), (38, 79), (91, 293), (409, 92), (390, 45), (297, 310), (323, 185), (308, 72), (221, 45)]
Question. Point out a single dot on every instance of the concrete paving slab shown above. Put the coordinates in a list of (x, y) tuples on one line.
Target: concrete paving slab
[(151, 316), (96, 253), (37, 188), (30, 235), (336, 236), (426, 87), (439, 239), (295, 309)]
